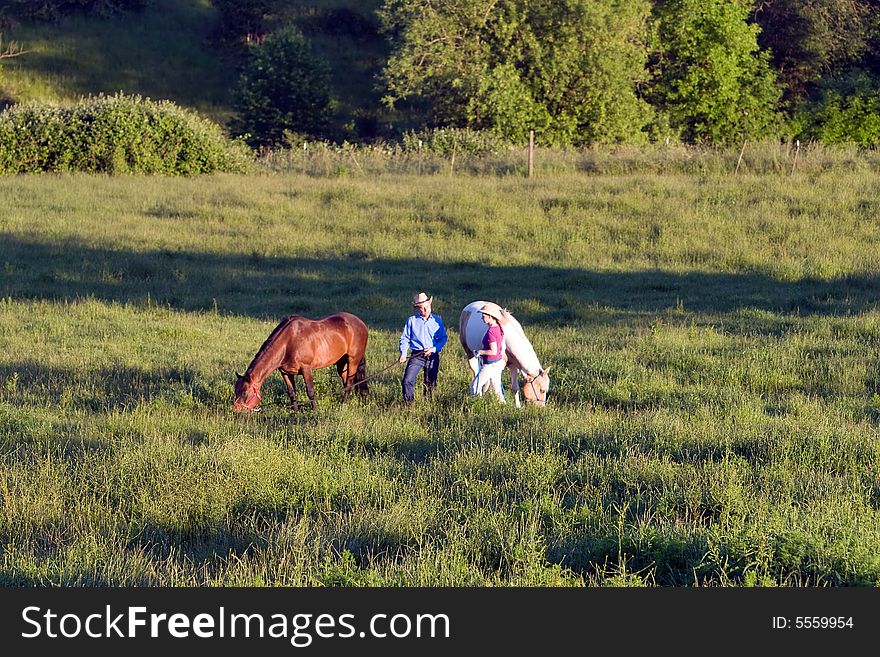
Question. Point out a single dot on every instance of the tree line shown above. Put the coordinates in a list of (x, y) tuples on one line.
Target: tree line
[(577, 72), (581, 72)]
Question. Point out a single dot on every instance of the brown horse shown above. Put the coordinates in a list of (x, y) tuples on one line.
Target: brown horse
[(299, 345)]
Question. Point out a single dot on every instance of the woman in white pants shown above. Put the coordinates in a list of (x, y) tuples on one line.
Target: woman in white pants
[(491, 355)]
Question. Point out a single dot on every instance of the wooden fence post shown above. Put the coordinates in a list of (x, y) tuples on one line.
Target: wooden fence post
[(531, 153), (796, 152), (739, 161)]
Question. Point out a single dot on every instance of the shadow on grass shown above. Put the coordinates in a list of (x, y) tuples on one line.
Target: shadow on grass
[(206, 551), (105, 388), (378, 290)]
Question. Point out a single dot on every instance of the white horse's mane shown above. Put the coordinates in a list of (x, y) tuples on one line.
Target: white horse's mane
[(520, 346)]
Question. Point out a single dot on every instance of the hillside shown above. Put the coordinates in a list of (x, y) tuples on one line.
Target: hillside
[(166, 52)]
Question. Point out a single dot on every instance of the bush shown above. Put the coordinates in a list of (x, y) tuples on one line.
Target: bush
[(115, 134), (284, 88), (846, 111)]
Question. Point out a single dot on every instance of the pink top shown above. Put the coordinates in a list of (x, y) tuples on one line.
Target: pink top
[(494, 334)]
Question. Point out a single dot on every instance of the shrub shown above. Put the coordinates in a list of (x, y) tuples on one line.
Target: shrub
[(115, 134), (284, 87), (845, 111)]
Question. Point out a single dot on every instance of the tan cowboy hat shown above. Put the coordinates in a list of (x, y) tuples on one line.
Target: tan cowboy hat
[(491, 309), (421, 298)]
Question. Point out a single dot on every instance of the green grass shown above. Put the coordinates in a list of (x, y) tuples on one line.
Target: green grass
[(713, 416)]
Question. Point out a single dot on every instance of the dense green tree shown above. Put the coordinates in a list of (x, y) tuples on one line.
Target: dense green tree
[(871, 59), (568, 69), (845, 110), (284, 87), (812, 39), (712, 81)]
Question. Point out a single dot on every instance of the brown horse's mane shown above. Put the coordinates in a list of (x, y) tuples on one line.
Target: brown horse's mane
[(283, 324)]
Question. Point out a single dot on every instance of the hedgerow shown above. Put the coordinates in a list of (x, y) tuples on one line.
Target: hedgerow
[(115, 134)]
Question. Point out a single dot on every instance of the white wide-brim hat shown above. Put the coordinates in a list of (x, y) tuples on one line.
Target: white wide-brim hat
[(491, 309)]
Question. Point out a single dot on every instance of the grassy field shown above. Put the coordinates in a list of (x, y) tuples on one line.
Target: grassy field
[(713, 417)]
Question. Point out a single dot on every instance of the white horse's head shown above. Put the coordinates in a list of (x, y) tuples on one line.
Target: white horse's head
[(537, 387)]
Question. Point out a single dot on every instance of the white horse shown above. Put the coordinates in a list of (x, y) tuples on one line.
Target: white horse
[(518, 351)]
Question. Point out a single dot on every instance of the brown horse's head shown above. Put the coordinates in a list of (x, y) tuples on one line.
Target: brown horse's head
[(537, 387), (247, 394)]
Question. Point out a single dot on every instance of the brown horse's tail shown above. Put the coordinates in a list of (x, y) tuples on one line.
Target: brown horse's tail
[(360, 377)]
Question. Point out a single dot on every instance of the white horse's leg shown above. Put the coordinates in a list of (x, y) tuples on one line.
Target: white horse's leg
[(504, 364), (514, 384)]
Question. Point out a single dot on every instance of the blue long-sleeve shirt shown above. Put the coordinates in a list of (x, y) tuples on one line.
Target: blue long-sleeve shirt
[(419, 334)]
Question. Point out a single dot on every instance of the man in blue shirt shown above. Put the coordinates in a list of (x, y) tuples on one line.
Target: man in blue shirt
[(425, 335)]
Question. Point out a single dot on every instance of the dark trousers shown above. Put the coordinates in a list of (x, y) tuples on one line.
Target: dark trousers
[(431, 365)]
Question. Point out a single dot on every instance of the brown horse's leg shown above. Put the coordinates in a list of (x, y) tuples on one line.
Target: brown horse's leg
[(342, 367), (360, 377), (310, 386), (291, 390)]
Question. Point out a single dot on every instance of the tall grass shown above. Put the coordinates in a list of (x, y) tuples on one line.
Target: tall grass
[(783, 159), (713, 417)]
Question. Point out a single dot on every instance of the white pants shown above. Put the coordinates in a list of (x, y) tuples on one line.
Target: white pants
[(489, 375)]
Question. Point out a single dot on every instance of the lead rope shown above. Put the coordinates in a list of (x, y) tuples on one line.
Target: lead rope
[(382, 371)]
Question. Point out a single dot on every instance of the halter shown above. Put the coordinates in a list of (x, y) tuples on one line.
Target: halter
[(254, 401), (531, 382)]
